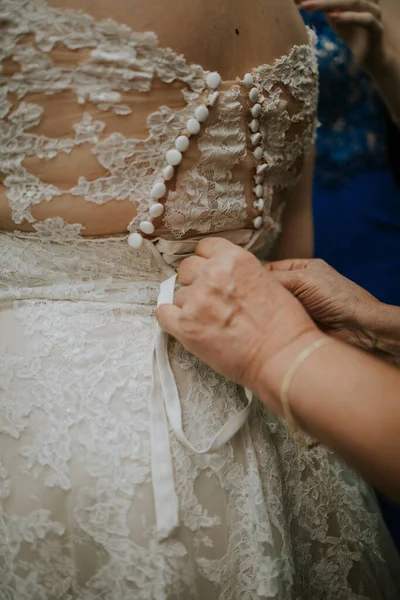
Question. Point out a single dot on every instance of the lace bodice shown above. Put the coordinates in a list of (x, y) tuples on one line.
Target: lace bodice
[(351, 136), (46, 52)]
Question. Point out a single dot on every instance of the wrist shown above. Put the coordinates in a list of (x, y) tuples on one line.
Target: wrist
[(364, 320), (268, 383)]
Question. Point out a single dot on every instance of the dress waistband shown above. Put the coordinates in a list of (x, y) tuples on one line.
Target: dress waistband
[(174, 251)]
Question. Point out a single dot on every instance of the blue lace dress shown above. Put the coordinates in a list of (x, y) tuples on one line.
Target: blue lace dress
[(356, 198)]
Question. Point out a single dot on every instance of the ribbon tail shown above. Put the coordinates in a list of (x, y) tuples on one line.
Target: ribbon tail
[(165, 497), (165, 409)]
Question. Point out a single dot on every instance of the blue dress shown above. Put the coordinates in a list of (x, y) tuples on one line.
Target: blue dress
[(356, 198)]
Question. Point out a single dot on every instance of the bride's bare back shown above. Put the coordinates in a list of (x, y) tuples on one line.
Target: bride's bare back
[(231, 37)]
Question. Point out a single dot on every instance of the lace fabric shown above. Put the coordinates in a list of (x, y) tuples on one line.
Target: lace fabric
[(260, 518), (352, 132), (118, 60)]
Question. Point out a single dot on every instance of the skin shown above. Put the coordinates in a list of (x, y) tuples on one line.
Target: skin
[(370, 29), (341, 308), (235, 315), (204, 31)]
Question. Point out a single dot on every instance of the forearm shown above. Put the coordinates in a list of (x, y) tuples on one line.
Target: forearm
[(348, 401)]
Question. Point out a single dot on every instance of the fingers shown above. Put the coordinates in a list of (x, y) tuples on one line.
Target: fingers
[(289, 264), (355, 6), (180, 297), (168, 316), (365, 19), (217, 274), (289, 279), (190, 269), (210, 247), (193, 267)]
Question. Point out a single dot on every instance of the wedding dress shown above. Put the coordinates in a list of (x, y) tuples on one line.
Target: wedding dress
[(128, 469)]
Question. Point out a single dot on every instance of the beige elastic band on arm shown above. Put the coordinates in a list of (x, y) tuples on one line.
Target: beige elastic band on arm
[(288, 379)]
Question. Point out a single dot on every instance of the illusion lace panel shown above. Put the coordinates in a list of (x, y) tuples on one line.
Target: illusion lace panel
[(216, 202), (113, 61)]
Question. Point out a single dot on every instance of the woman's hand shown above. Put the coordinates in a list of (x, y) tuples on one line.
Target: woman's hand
[(339, 307), (235, 315), (357, 22)]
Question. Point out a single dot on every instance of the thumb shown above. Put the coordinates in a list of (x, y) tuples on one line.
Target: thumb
[(290, 272), (291, 280), (290, 264)]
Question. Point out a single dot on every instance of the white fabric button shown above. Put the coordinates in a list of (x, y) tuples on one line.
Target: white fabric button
[(201, 113), (258, 179), (182, 143), (259, 205), (254, 125), (147, 227), (258, 221), (193, 126), (258, 153), (168, 172), (261, 169), (248, 79), (256, 110), (255, 139), (135, 240), (174, 157), (159, 190), (259, 190), (253, 94), (213, 80), (213, 99), (156, 210)]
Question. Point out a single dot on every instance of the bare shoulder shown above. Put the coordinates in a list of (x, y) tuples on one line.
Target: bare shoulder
[(233, 36), (230, 36)]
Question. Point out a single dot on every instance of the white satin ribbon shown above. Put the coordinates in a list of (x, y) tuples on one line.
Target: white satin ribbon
[(166, 407)]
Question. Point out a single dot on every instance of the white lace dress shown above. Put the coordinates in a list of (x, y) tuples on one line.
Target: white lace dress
[(101, 496)]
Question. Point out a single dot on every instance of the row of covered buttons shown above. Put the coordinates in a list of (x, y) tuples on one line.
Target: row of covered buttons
[(174, 156), (256, 138)]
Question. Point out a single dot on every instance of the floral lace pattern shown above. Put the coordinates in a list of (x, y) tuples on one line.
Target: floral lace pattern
[(259, 519), (208, 199), (209, 189), (351, 137)]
